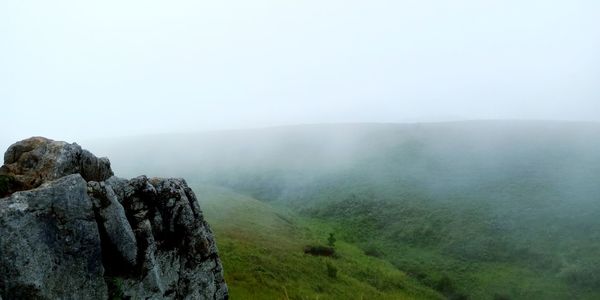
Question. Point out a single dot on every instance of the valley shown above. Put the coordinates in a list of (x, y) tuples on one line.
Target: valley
[(465, 210)]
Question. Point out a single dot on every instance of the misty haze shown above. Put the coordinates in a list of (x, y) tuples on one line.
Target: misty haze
[(300, 150)]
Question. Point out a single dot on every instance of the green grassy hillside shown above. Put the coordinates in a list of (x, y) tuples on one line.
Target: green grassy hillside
[(262, 251), (480, 210)]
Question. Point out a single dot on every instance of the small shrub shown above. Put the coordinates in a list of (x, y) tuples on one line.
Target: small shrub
[(331, 240)]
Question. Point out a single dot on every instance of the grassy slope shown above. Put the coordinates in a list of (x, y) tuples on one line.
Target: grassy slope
[(515, 217), (262, 252), (481, 258), (482, 209)]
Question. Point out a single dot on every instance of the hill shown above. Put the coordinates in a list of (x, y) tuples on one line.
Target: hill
[(473, 209)]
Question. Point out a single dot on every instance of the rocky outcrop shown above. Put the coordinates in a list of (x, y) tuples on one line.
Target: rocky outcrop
[(34, 161), (69, 229)]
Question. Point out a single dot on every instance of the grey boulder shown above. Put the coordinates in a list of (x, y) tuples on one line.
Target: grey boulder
[(49, 243)]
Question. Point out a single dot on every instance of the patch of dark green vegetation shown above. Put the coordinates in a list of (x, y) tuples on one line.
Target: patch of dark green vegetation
[(115, 288), (320, 251)]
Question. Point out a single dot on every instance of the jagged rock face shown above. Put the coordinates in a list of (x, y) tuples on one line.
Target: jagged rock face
[(161, 224), (85, 234), (49, 243)]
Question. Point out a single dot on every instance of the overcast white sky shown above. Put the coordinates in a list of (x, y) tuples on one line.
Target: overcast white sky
[(74, 69)]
